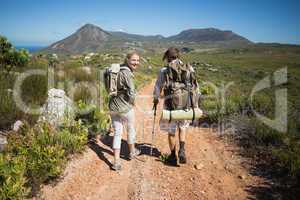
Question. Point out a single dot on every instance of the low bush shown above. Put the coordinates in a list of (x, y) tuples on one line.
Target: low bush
[(34, 90), (72, 137), (43, 150), (289, 157), (97, 120), (12, 177), (82, 93)]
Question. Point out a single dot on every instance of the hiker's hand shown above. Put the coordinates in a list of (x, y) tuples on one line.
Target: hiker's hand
[(155, 102)]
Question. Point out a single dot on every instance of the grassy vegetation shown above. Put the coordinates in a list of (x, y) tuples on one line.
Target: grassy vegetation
[(37, 154), (244, 68)]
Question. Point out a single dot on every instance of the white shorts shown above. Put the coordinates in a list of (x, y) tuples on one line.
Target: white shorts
[(118, 122), (171, 127)]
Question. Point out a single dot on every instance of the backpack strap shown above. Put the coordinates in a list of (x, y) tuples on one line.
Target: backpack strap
[(123, 89), (191, 81), (124, 67)]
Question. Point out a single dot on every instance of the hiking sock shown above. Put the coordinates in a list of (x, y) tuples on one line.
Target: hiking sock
[(181, 153), (172, 159), (181, 145), (173, 153)]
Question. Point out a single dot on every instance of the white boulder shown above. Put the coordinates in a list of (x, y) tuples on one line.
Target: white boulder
[(57, 108)]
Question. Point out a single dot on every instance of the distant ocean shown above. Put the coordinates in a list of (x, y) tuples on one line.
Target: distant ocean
[(31, 49)]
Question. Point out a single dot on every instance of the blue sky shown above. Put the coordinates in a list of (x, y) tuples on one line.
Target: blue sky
[(37, 22)]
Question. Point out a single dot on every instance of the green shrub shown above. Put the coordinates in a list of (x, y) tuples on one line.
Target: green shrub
[(102, 118), (12, 179), (45, 149), (100, 123), (72, 137), (264, 104), (34, 89), (85, 110), (289, 157), (79, 75), (267, 136), (96, 120), (215, 110), (44, 163), (8, 109), (82, 93), (44, 156), (206, 90)]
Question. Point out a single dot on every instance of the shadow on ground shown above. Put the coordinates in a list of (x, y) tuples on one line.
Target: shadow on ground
[(107, 141)]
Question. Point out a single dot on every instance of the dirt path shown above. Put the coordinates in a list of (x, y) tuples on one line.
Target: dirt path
[(219, 175)]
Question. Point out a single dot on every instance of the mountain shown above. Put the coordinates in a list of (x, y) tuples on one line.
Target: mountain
[(88, 37), (207, 35), (91, 38)]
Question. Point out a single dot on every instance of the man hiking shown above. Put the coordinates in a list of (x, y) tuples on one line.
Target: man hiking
[(176, 86), (121, 108)]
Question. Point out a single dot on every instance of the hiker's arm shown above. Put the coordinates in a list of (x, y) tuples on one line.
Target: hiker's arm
[(197, 92), (160, 81), (128, 79)]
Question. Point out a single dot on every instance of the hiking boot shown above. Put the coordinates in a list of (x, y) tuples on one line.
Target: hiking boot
[(182, 157), (171, 160), (116, 167), (134, 154)]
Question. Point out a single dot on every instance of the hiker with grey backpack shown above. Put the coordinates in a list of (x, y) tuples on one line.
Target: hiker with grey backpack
[(178, 83), (120, 87)]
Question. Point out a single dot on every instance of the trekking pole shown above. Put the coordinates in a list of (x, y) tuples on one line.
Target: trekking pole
[(153, 128)]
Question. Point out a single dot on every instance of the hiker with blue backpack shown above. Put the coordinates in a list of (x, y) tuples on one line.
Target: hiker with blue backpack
[(120, 86)]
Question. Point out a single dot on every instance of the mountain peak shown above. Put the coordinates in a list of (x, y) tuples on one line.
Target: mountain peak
[(89, 26), (87, 38), (208, 35)]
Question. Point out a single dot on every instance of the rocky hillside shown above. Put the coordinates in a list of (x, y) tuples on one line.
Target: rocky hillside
[(91, 38)]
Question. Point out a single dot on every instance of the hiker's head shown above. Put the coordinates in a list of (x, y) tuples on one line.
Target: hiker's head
[(132, 60), (171, 54)]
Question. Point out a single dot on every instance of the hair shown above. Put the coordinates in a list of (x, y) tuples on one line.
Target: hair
[(171, 54), (129, 55)]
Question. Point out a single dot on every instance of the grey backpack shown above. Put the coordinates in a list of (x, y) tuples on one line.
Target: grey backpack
[(111, 75), (180, 88)]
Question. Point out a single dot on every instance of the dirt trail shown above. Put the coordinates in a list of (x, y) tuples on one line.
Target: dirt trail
[(220, 173)]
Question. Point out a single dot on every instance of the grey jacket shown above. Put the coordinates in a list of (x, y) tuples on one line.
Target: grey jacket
[(124, 101)]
